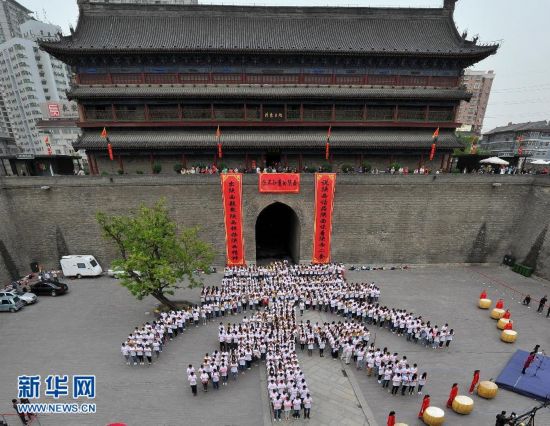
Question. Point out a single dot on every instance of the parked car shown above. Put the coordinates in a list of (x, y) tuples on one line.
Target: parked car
[(119, 273), (49, 288), (27, 298), (80, 266), (11, 303)]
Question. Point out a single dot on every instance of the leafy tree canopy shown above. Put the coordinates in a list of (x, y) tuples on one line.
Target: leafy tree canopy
[(154, 255)]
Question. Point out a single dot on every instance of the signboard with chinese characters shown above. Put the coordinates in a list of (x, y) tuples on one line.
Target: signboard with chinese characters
[(53, 110), (279, 182), (322, 225), (233, 219), (59, 110), (274, 113)]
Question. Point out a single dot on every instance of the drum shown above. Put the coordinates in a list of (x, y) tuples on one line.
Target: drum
[(485, 303), (497, 313), (502, 323), (487, 390), (434, 416), (463, 404), (509, 336)]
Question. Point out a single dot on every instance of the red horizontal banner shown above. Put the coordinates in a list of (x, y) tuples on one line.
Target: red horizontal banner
[(322, 225), (279, 182), (233, 218)]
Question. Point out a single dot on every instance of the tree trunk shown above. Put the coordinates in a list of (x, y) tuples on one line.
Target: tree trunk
[(164, 300)]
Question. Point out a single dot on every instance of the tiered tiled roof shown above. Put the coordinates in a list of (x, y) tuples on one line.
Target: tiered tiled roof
[(280, 138), (254, 29), (522, 127), (264, 92)]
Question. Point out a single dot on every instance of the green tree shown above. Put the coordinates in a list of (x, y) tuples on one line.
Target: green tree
[(154, 255)]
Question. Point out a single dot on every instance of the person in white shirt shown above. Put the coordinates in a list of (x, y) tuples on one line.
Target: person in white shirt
[(396, 382), (297, 405), (277, 406), (216, 379), (204, 381), (193, 382), (287, 407), (307, 406), (125, 350), (223, 373)]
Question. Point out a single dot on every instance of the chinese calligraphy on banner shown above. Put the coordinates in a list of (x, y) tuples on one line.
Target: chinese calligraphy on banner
[(322, 225), (279, 182), (232, 205)]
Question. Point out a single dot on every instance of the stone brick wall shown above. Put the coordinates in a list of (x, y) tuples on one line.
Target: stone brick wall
[(377, 219)]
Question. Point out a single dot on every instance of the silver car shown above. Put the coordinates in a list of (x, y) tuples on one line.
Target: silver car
[(27, 298), (11, 303)]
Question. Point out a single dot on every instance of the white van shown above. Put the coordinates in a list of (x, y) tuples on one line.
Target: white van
[(80, 266)]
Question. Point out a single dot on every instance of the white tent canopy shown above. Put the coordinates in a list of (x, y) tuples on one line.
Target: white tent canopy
[(495, 160), (540, 162)]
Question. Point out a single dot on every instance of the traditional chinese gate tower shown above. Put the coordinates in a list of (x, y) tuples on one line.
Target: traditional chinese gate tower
[(161, 78)]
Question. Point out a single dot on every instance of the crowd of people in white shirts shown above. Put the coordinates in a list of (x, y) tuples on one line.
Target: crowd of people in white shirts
[(271, 297)]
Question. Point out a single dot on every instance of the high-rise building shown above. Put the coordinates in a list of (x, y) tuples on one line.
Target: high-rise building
[(12, 15), (472, 113), (29, 77)]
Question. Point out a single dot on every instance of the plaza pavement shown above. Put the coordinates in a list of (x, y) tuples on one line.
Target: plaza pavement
[(81, 333)]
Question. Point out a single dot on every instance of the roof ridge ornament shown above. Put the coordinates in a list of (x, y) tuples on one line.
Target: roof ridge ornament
[(449, 4)]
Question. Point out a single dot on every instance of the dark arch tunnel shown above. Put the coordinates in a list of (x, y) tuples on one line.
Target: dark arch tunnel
[(277, 234)]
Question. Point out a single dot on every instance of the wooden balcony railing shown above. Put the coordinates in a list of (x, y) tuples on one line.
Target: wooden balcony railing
[(317, 114), (275, 79), (130, 115), (411, 115), (98, 115), (440, 116), (158, 113), (258, 113), (380, 114)]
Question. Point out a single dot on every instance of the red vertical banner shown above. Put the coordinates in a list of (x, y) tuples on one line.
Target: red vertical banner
[(322, 226), (232, 184)]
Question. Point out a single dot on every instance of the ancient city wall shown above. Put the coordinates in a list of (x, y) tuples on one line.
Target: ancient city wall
[(377, 219)]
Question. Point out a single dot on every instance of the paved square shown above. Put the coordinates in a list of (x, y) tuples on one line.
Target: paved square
[(81, 333)]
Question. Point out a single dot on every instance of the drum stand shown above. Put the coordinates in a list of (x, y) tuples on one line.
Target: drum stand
[(528, 419)]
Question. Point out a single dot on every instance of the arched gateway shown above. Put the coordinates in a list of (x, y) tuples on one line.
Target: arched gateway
[(277, 234)]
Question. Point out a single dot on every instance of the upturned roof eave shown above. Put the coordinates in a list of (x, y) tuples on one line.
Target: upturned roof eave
[(480, 53)]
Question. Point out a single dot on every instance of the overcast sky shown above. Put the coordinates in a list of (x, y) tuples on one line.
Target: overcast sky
[(521, 91)]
